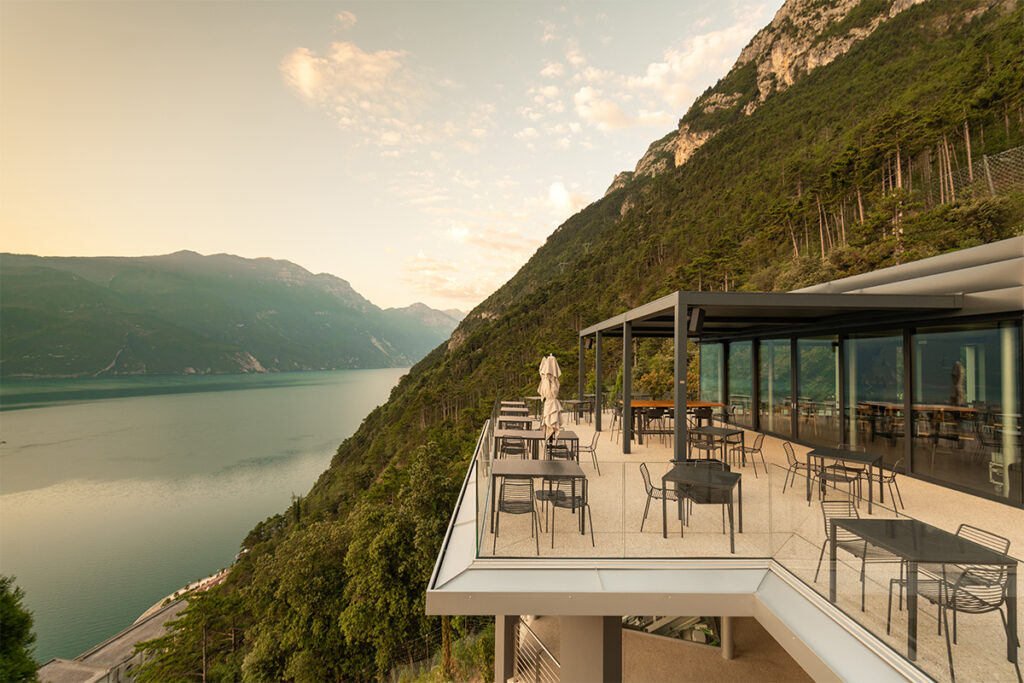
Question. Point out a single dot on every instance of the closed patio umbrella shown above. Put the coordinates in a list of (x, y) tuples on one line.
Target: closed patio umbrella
[(548, 390)]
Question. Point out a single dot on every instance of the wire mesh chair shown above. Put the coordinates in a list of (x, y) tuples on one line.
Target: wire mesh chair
[(592, 449), (888, 478), (755, 449), (515, 497), (653, 492), (512, 446), (848, 541), (794, 466), (970, 589), (562, 496), (559, 450), (707, 495)]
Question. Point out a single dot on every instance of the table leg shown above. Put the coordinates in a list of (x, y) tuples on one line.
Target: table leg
[(808, 477), (911, 610), (739, 484), (881, 490), (732, 538), (493, 491), (664, 511), (871, 489), (832, 561), (1011, 613)]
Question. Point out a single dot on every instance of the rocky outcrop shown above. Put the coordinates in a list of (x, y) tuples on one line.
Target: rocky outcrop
[(807, 34), (803, 35), (620, 181)]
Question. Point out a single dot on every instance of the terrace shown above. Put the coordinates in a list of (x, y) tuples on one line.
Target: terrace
[(867, 360)]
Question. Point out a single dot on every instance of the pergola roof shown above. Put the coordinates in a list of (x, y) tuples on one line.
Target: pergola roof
[(735, 314)]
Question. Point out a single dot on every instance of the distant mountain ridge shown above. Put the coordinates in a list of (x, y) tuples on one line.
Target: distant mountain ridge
[(185, 313)]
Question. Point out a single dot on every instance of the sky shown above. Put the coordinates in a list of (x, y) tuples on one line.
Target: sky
[(422, 151)]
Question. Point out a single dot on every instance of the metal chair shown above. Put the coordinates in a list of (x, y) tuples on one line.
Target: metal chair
[(515, 497), (971, 589), (888, 478), (592, 449), (755, 449), (794, 466), (706, 495), (512, 446), (848, 541), (653, 492), (562, 497), (558, 450)]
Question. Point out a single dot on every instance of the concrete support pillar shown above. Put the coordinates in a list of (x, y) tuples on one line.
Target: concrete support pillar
[(728, 649), (505, 647), (591, 649)]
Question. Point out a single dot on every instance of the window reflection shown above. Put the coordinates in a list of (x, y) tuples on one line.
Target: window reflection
[(711, 372), (966, 407), (818, 378), (874, 380), (741, 381), (776, 386)]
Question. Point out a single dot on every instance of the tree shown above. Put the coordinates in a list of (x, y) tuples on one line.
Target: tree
[(16, 662)]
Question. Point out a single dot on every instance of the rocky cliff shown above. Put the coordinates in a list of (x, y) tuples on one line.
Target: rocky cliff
[(804, 35)]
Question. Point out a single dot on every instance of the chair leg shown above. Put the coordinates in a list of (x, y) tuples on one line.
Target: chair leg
[(646, 507), (590, 517), (949, 649), (888, 611), (863, 581), (497, 521), (536, 522), (820, 556), (894, 483)]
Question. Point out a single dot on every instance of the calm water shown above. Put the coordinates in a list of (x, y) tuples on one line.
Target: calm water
[(116, 492)]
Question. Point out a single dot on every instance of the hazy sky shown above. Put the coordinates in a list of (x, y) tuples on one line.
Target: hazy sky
[(420, 150)]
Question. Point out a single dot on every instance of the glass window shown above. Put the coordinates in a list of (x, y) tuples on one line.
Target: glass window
[(874, 401), (967, 405), (711, 372), (818, 380), (776, 386), (741, 382)]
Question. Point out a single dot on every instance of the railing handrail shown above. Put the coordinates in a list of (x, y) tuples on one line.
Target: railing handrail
[(539, 642)]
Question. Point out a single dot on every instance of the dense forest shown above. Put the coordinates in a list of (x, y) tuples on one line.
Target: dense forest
[(909, 145)]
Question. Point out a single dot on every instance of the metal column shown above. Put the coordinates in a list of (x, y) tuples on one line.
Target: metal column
[(598, 385), (582, 372), (627, 385), (681, 324)]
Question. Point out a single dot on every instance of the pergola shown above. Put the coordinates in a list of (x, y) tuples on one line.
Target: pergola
[(721, 316)]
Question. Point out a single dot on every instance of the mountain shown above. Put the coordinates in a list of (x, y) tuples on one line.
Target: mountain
[(868, 150), (185, 313)]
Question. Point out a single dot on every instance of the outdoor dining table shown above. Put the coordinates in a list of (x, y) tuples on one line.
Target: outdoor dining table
[(578, 406), (514, 404), (536, 436), (548, 469), (856, 457), (920, 543), (721, 435), (647, 403), (696, 475), (514, 410), (515, 422)]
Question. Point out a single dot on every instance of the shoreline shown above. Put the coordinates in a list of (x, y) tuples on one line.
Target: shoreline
[(200, 585)]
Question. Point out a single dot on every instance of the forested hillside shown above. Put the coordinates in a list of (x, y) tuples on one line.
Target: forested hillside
[(185, 313), (905, 146)]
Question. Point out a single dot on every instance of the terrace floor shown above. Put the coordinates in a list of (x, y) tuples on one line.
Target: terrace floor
[(775, 524)]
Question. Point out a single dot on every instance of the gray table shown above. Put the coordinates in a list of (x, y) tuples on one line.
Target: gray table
[(845, 456), (515, 422), (917, 543), (536, 436), (721, 434), (548, 469), (698, 475), (578, 406), (514, 410)]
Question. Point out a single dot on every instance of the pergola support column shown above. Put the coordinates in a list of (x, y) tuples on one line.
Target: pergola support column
[(627, 385), (591, 649), (681, 325), (598, 384), (505, 647)]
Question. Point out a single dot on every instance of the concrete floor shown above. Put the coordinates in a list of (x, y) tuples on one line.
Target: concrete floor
[(779, 525)]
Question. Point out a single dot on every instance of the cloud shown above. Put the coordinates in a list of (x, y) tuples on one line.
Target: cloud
[(345, 19), (563, 202), (547, 32), (552, 70), (683, 73), (598, 111), (575, 57)]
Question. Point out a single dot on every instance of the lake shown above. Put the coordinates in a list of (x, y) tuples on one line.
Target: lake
[(116, 492)]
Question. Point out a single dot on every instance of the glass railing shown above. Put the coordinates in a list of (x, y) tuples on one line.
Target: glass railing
[(625, 518)]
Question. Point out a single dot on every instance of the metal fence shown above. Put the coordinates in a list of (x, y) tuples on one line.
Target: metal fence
[(534, 663), (987, 176)]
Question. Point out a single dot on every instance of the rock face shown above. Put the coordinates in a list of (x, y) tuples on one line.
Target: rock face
[(803, 35)]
